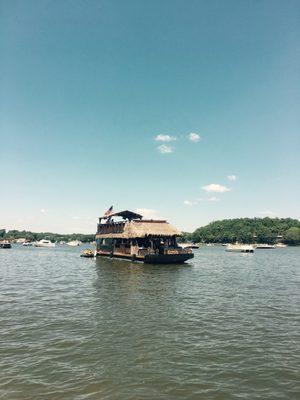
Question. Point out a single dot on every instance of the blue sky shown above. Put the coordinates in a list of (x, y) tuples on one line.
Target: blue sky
[(91, 90)]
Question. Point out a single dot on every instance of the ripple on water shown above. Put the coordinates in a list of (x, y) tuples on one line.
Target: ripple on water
[(224, 326)]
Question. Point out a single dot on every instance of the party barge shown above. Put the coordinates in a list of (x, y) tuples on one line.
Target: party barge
[(127, 235)]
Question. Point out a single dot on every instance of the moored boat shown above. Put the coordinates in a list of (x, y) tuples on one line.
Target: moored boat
[(44, 243), (74, 243), (138, 239), (264, 246), (188, 245), (88, 253), (240, 248), (5, 244), (280, 245)]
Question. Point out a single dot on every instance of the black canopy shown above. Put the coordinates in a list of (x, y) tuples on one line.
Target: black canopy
[(126, 215)]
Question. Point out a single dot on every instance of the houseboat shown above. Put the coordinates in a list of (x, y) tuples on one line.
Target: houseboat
[(127, 235)]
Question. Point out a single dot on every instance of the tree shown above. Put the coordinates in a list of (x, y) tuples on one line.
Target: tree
[(245, 230), (292, 236)]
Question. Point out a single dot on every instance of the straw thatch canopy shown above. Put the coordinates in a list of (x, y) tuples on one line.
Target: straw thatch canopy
[(143, 228)]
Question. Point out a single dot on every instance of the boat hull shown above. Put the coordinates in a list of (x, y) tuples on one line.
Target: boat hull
[(167, 258), (240, 251), (5, 245), (151, 258), (265, 247), (45, 245), (239, 248)]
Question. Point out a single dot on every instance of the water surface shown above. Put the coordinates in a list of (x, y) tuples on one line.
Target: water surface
[(224, 326)]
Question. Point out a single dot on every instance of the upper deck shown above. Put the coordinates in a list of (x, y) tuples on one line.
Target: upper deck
[(135, 228)]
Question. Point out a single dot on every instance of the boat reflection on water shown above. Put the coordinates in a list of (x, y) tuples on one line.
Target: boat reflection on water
[(122, 283)]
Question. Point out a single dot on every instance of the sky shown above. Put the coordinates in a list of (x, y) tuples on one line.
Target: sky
[(184, 110)]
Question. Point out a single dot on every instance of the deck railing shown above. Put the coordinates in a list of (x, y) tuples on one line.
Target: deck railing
[(117, 227)]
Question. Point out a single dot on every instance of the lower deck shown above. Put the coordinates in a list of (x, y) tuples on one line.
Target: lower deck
[(151, 258), (148, 250)]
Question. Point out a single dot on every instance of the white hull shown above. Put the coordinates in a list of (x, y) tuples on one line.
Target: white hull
[(44, 243), (188, 246), (74, 243), (265, 246), (239, 248)]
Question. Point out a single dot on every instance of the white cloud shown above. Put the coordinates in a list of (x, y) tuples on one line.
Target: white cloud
[(43, 211), (268, 213), (209, 199), (147, 213), (231, 177), (190, 203), (215, 187), (197, 201), (164, 138), (194, 137), (213, 198), (164, 149)]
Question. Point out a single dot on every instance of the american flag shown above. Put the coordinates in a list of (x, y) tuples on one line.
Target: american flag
[(108, 212)]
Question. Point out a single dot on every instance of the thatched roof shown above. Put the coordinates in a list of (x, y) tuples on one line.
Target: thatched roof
[(143, 228)]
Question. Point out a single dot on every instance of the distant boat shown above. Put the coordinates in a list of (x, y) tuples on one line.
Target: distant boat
[(74, 243), (5, 244), (188, 245), (28, 244), (44, 243), (280, 245), (88, 253), (265, 246), (21, 240), (240, 248)]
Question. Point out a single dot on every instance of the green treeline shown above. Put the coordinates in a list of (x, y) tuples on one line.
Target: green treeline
[(244, 230), (54, 237), (248, 230)]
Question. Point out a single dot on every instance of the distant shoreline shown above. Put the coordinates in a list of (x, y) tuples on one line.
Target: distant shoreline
[(243, 230)]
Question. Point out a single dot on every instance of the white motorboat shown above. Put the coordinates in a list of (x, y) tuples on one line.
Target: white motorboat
[(28, 244), (280, 245), (240, 248), (44, 243), (262, 246), (74, 243), (188, 245)]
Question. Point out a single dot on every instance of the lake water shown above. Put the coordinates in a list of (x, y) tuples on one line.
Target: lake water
[(224, 326)]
